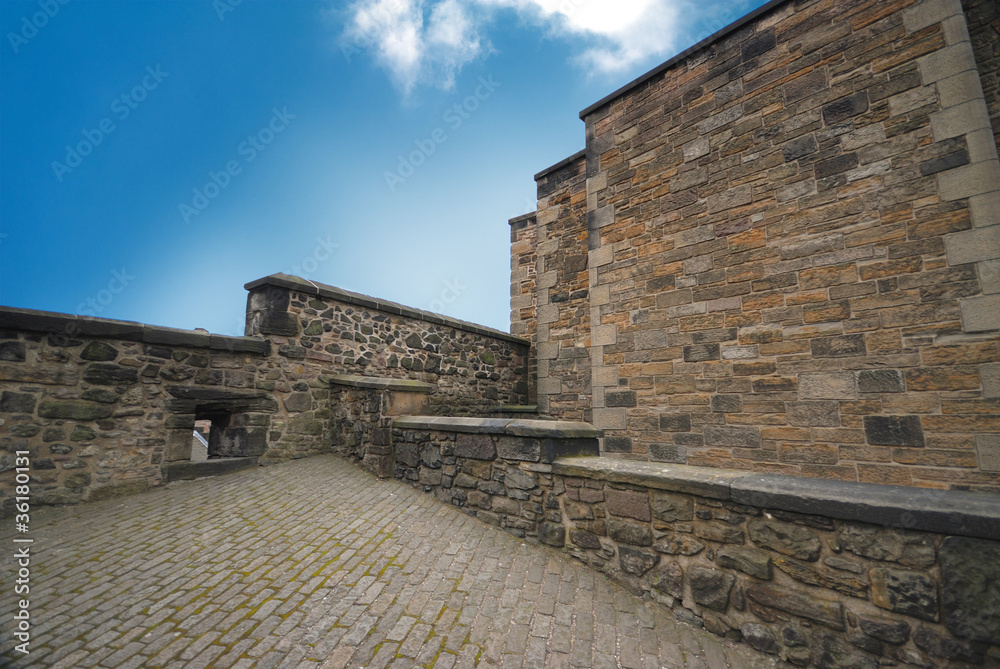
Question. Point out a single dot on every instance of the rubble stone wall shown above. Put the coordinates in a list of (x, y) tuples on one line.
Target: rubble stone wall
[(105, 407), (822, 574), (474, 370)]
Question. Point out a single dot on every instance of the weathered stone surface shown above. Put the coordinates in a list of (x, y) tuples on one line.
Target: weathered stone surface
[(726, 534), (970, 588), (11, 402), (824, 612), (881, 381), (679, 544), (894, 431), (829, 653), (675, 422), (630, 533), (806, 573), (298, 402), (584, 539), (552, 534), (710, 587), (760, 637), (939, 645), (701, 352), (827, 386), (515, 478), (891, 631), (786, 538), (107, 374), (476, 446), (670, 580), (82, 433), (813, 414), (75, 409), (105, 395), (519, 448), (628, 504), (13, 351), (910, 593), (732, 437), (669, 507), (870, 541), (636, 560), (99, 351), (748, 560)]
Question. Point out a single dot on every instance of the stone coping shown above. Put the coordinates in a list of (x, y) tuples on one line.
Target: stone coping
[(561, 164), (404, 385), (515, 427), (522, 218), (519, 408), (69, 325), (715, 37), (368, 302), (971, 514)]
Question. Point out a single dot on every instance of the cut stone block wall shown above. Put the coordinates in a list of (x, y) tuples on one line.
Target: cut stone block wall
[(474, 370), (561, 287), (983, 17), (794, 251)]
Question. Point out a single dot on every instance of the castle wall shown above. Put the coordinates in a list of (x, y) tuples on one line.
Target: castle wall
[(561, 321), (475, 370), (103, 408), (795, 244)]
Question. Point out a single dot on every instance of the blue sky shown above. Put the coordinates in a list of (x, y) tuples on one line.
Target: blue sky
[(156, 156)]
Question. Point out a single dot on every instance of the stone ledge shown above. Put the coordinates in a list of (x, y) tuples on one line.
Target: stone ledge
[(185, 471), (561, 164), (368, 302), (515, 427), (952, 512), (404, 385), (518, 408), (55, 323)]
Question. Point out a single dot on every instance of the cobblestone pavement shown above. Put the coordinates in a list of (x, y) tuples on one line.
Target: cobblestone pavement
[(314, 563)]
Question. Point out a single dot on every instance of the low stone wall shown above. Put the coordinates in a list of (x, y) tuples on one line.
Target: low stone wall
[(107, 407), (496, 468), (473, 369), (821, 573)]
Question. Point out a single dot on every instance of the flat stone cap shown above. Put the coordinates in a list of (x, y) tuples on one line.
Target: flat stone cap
[(368, 302), (955, 512), (404, 385), (515, 427), (69, 325)]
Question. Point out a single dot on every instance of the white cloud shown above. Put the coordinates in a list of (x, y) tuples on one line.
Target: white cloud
[(427, 42)]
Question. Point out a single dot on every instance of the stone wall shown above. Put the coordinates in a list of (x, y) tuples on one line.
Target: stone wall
[(523, 291), (562, 291), (499, 470), (821, 573), (474, 370), (814, 588), (984, 29), (794, 261), (107, 407)]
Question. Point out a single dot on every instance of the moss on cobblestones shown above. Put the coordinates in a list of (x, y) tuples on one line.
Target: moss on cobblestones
[(233, 570)]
